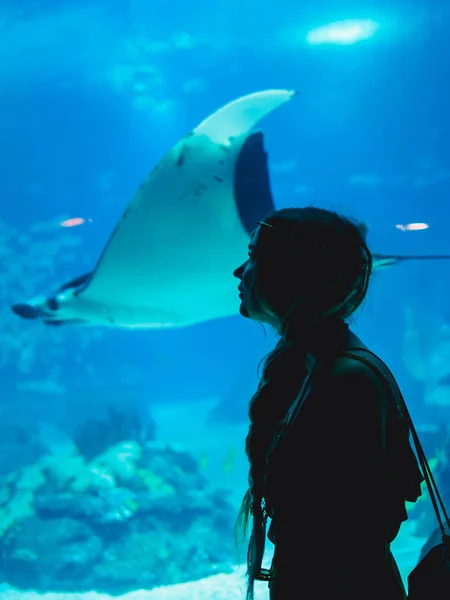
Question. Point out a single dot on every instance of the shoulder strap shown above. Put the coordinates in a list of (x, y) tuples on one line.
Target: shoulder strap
[(311, 366), (380, 369)]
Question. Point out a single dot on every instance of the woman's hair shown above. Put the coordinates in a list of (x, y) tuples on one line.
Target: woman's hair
[(320, 260)]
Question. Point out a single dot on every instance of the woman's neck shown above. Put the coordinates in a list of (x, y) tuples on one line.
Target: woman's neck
[(321, 336)]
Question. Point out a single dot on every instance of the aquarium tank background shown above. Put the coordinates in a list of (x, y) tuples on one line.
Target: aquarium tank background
[(122, 459)]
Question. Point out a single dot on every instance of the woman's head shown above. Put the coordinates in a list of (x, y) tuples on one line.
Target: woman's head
[(304, 263)]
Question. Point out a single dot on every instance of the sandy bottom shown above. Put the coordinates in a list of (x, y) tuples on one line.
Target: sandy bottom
[(218, 587)]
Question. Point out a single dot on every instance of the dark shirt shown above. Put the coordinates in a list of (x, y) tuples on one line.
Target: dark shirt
[(326, 485)]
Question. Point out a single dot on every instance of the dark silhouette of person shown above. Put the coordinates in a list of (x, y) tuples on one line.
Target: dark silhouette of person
[(331, 464)]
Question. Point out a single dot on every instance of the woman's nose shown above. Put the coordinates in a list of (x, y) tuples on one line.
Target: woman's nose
[(238, 272)]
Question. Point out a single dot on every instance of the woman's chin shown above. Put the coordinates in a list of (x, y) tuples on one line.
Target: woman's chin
[(242, 309)]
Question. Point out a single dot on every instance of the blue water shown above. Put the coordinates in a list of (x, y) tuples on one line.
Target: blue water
[(121, 451)]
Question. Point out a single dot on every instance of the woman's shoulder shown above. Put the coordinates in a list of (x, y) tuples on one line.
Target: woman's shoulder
[(347, 365), (347, 374)]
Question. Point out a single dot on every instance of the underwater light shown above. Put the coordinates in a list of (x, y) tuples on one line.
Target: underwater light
[(413, 227), (343, 32)]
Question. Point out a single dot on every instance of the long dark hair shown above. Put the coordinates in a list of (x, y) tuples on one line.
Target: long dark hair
[(334, 265)]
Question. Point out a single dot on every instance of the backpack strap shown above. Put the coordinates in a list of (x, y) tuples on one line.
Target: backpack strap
[(382, 371), (311, 366)]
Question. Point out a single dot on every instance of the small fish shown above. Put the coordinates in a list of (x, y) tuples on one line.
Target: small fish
[(75, 222), (203, 462), (228, 463), (413, 227), (132, 504), (230, 460)]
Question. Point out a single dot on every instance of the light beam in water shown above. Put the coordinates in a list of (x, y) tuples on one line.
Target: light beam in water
[(343, 32)]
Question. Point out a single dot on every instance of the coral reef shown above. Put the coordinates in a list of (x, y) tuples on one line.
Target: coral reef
[(94, 436), (135, 516)]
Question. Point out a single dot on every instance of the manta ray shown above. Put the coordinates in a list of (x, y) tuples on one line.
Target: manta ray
[(169, 261)]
